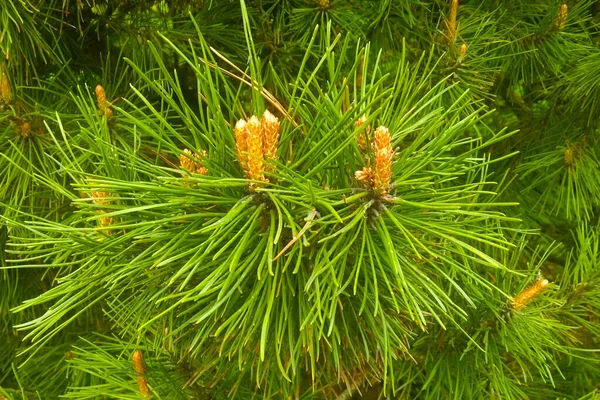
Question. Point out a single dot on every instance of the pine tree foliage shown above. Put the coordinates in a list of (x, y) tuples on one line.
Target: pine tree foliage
[(304, 199)]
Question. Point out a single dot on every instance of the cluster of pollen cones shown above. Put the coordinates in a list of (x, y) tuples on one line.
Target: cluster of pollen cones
[(377, 177), (256, 145)]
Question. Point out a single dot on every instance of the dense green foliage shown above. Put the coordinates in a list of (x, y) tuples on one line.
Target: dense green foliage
[(129, 221)]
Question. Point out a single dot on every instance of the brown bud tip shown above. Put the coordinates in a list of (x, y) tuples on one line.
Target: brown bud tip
[(138, 362), (69, 355)]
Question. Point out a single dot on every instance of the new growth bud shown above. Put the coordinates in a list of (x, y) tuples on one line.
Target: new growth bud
[(6, 94), (377, 178), (138, 362), (526, 296), (363, 137), (451, 22), (140, 369), (103, 106), (561, 17)]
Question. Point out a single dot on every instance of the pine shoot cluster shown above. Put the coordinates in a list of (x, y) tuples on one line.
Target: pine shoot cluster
[(376, 178), (256, 145)]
